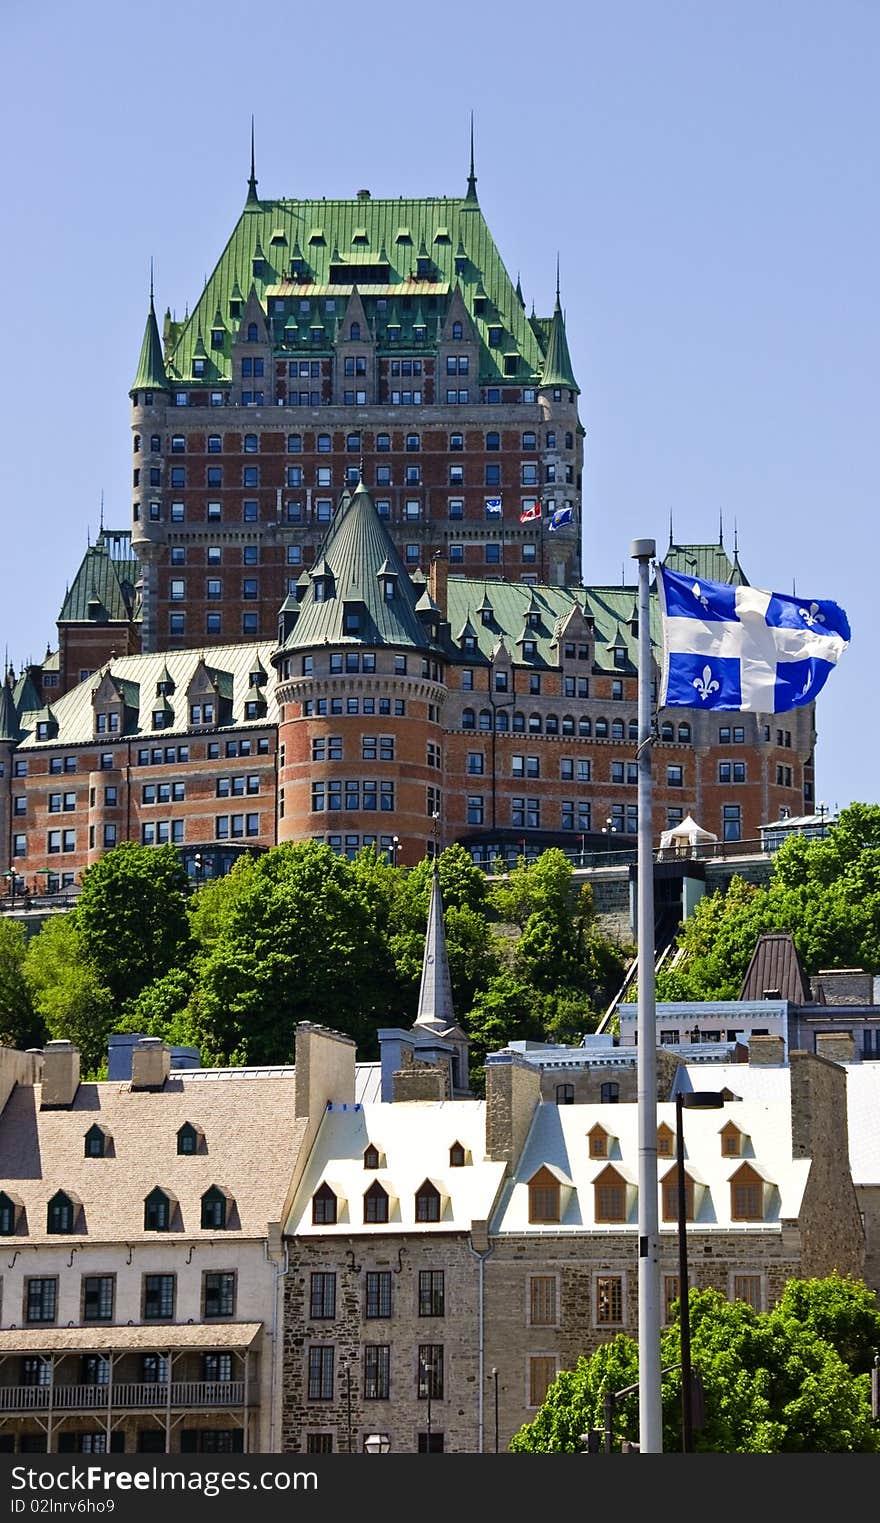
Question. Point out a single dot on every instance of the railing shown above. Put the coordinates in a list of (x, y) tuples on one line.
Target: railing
[(29, 904), (67, 1398), (624, 856)]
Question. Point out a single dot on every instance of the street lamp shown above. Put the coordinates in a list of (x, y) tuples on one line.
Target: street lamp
[(495, 1379), (11, 874), (704, 1100), (822, 810), (197, 864), (377, 1443), (395, 848), (427, 1374)]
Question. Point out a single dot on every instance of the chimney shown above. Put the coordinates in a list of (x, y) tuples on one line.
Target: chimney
[(513, 1090), (766, 1051), (836, 1046), (324, 1070), (438, 576), (419, 1081), (150, 1063), (18, 1068), (60, 1075)]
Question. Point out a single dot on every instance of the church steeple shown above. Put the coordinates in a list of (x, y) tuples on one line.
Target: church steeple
[(435, 1012)]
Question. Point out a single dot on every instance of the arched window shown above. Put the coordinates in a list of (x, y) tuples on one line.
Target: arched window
[(427, 1203), (485, 719), (535, 724), (519, 722), (584, 727), (251, 444), (601, 729), (375, 1203), (456, 331), (617, 729), (502, 720), (253, 333), (565, 1094), (157, 1211), (61, 1213), (551, 724), (354, 331), (684, 732), (568, 724), (609, 1094), (215, 1208), (468, 719), (136, 444), (324, 1206)]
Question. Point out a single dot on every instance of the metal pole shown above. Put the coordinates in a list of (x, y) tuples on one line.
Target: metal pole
[(687, 1417), (650, 1409), (495, 1378)]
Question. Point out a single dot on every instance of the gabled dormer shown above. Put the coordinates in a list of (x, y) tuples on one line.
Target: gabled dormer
[(115, 705), (694, 1190), (600, 1141), (613, 1195), (190, 1139), (388, 579), (46, 723), (326, 1205), (373, 1158), (161, 1210), (356, 354), (97, 1142), (575, 637), (459, 1156), (750, 1194), (549, 1193), (209, 696), (665, 1141), (486, 611), (217, 1209), (458, 359), (63, 1212), (734, 1142), (377, 1203), (322, 580), (11, 1213)]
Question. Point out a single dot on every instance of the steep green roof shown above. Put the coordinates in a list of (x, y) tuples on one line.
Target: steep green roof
[(321, 229), (9, 726), (150, 374), (24, 693), (557, 362), (711, 562), (108, 572), (352, 563)]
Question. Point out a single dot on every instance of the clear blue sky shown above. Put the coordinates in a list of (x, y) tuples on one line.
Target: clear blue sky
[(707, 170)]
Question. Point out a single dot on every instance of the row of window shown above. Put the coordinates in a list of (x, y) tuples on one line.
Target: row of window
[(95, 1369), (373, 748), (378, 1297), (357, 793), (354, 441), (492, 395), (535, 724), (612, 1196), (368, 706), (179, 591), (376, 1372), (325, 1204), (161, 1208), (158, 1297), (215, 625)]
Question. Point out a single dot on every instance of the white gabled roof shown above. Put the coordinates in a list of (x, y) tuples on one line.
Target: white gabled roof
[(413, 1139), (559, 1140)]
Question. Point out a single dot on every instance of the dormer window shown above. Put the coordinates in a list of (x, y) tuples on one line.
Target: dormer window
[(533, 620), (376, 1203), (10, 1208), (158, 1207), (61, 1213), (388, 585), (456, 332), (670, 1196), (731, 1141), (598, 1138), (96, 1142), (747, 1195), (217, 336), (457, 1156), (609, 1196), (190, 1138), (371, 1157), (543, 1197), (351, 621), (354, 332), (216, 1206), (253, 333), (420, 333), (665, 1141), (427, 1203), (324, 1206), (470, 642)]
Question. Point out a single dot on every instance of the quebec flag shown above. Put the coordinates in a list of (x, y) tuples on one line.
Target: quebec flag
[(493, 504), (739, 648)]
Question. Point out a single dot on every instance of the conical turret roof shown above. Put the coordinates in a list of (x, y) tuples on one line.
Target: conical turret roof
[(150, 374), (557, 370)]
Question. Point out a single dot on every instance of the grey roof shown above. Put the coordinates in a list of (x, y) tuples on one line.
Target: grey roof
[(435, 1012), (775, 965), (356, 553)]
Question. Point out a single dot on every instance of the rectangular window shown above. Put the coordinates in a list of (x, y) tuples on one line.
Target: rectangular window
[(320, 1381), (609, 1300), (430, 1371), (41, 1299), (542, 1373), (747, 1287), (377, 1371), (97, 1297), (378, 1293), (542, 1300), (218, 1294), (432, 1293), (158, 1297), (322, 1299)]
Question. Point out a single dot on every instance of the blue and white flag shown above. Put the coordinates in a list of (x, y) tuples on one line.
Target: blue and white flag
[(493, 504), (739, 648), (560, 517)]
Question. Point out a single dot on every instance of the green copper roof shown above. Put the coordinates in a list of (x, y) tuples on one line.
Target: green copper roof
[(557, 362), (24, 693), (150, 374), (355, 559), (9, 727), (609, 608), (108, 574), (711, 562), (440, 224)]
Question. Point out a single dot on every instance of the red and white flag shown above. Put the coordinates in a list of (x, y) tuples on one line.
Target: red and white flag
[(532, 511)]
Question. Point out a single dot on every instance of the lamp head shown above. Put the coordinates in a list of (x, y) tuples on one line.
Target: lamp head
[(702, 1100)]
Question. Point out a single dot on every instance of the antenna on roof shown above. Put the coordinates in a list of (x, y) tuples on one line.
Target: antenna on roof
[(720, 526), (102, 509), (671, 541), (557, 277)]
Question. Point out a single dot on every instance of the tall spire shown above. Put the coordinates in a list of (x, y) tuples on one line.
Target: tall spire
[(151, 375), (558, 305), (557, 370), (435, 1011), (101, 524), (671, 535), (472, 179), (720, 526), (252, 198)]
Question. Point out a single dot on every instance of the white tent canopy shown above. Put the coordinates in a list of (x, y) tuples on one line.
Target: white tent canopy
[(687, 834)]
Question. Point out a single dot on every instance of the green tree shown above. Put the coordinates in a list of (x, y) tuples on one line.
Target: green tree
[(67, 990), (842, 1310), (132, 916), (20, 1025), (773, 1384), (507, 1010)]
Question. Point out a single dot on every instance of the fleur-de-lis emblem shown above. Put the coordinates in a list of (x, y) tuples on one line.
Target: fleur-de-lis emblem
[(706, 685), (813, 616), (698, 594)]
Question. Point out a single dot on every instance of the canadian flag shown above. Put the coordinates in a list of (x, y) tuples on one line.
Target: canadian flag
[(532, 511)]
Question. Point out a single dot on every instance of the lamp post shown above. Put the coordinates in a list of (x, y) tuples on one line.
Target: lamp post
[(11, 875), (706, 1100), (377, 1443), (495, 1381), (427, 1368), (197, 864), (395, 849)]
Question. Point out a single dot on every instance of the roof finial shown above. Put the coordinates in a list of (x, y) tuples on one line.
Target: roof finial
[(557, 278), (721, 526), (151, 281), (252, 199), (735, 537), (671, 540), (102, 511), (472, 179)]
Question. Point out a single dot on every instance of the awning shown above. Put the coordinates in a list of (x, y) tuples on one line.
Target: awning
[(157, 1336)]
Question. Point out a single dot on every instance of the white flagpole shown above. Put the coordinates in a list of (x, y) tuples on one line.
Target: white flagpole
[(650, 1409)]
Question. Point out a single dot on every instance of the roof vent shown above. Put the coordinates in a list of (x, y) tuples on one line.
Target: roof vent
[(363, 195)]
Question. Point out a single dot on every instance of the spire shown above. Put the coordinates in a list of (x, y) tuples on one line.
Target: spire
[(151, 374), (557, 361), (519, 292), (472, 179), (252, 198), (671, 537), (101, 525), (435, 1012), (720, 526)]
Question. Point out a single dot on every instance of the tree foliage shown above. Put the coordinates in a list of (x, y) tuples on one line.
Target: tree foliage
[(67, 990), (774, 1382), (20, 1024), (132, 916)]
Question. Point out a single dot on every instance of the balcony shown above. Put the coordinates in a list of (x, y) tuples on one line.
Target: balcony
[(130, 1396)]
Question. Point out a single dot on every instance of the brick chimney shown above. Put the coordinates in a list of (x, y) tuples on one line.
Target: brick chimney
[(513, 1090), (419, 1081), (836, 1046), (766, 1051), (438, 576), (60, 1075), (150, 1063)]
